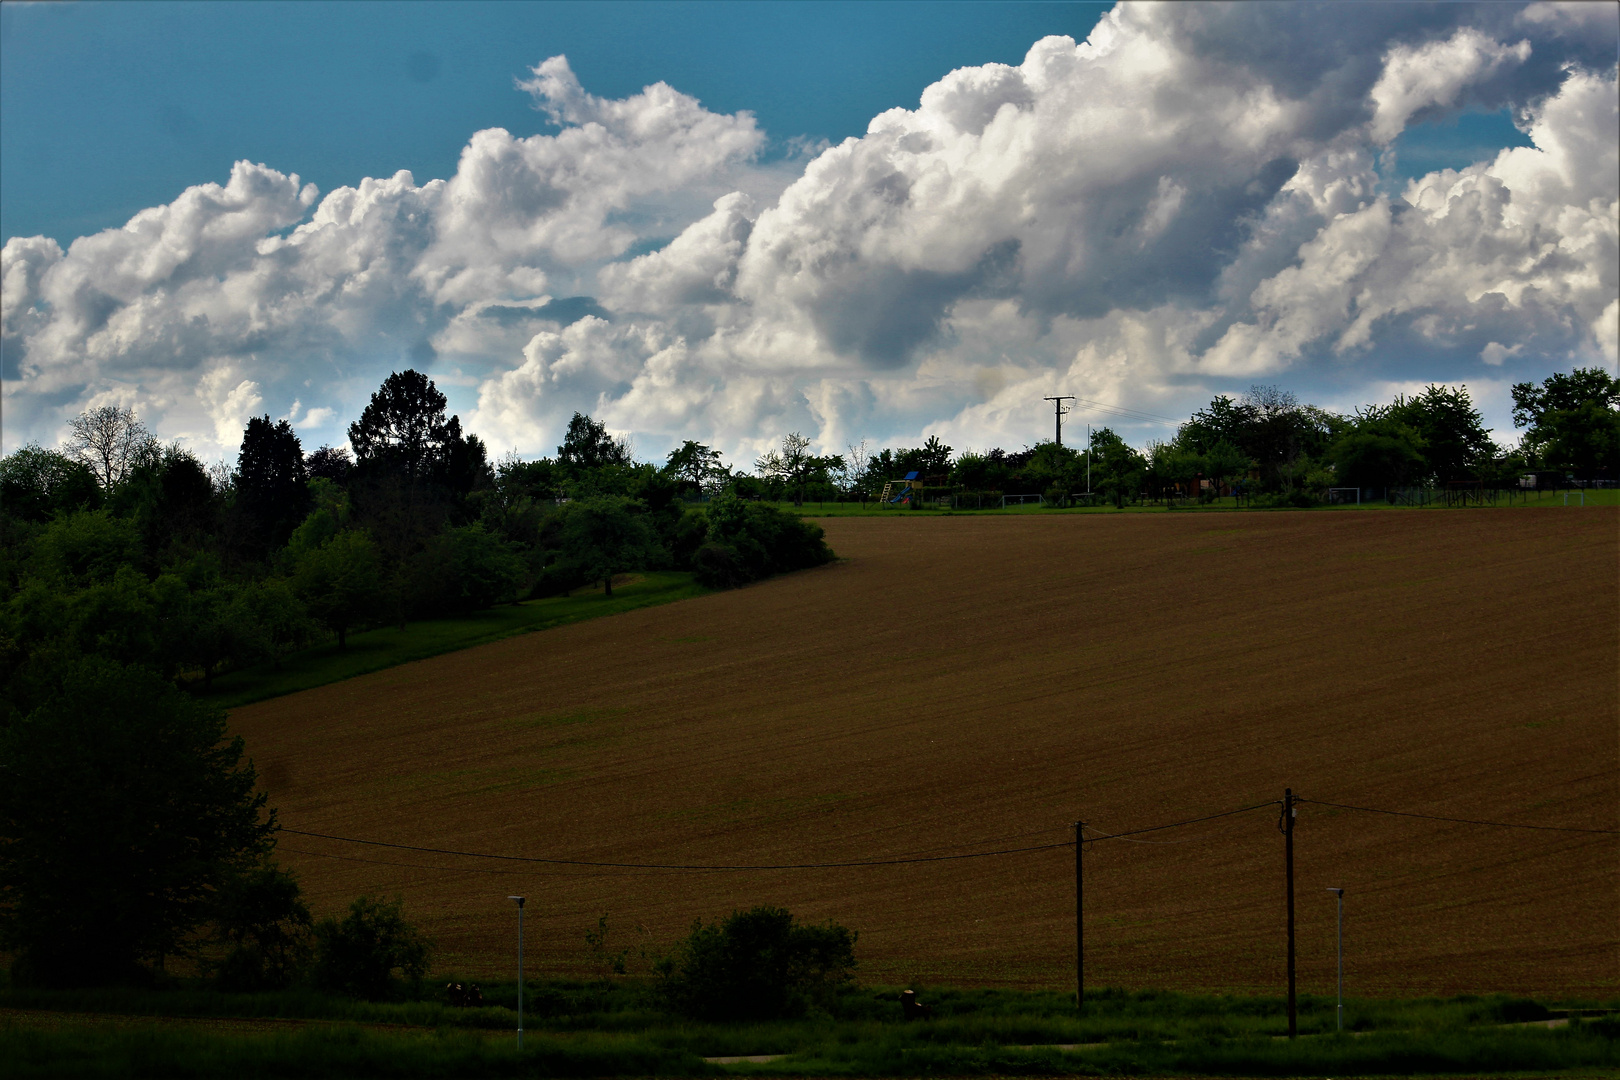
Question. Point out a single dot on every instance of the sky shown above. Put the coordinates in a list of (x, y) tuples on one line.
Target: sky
[(877, 221)]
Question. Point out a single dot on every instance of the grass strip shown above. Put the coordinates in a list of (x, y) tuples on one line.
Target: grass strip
[(153, 1050), (374, 650), (176, 1050)]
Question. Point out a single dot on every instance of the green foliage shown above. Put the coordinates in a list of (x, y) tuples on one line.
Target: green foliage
[(1573, 421), (260, 917), (123, 807), (358, 954), (464, 569), (1378, 453), (756, 965), (403, 432), (388, 646), (603, 536), (1449, 431), (272, 481), (748, 541), (587, 445), (340, 582), (38, 484)]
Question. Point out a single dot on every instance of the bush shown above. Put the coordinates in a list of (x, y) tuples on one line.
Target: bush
[(756, 965), (358, 954), (749, 541)]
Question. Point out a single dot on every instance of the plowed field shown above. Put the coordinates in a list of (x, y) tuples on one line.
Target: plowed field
[(963, 684)]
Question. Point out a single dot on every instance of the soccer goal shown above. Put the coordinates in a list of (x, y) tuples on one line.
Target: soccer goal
[(1344, 495)]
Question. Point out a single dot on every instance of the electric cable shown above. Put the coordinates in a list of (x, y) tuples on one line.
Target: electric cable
[(1457, 820), (899, 861)]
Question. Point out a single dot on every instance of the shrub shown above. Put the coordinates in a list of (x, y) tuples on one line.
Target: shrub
[(758, 964), (749, 541), (358, 954)]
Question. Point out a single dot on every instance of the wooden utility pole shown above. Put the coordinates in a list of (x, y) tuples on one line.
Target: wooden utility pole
[(1079, 922), (1059, 409), (1288, 849)]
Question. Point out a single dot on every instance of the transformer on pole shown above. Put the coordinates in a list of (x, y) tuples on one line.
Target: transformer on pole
[(1060, 410)]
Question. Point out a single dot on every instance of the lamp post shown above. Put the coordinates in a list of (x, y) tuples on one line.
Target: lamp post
[(1340, 1011), (519, 900)]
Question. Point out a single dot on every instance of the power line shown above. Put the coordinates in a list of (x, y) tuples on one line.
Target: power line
[(899, 861), (1178, 824), (682, 866), (1129, 414), (1458, 820)]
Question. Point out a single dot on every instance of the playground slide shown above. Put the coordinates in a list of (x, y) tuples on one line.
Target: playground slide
[(904, 496)]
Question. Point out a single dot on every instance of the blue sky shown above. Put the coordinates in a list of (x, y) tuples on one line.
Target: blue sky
[(106, 108), (1195, 199)]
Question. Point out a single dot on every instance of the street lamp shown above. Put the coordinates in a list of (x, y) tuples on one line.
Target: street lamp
[(519, 900), (1340, 894)]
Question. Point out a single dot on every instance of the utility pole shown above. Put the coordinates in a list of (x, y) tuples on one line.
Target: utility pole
[(1079, 923), (1288, 849), (1339, 1012), (1088, 459), (1059, 409), (519, 900)]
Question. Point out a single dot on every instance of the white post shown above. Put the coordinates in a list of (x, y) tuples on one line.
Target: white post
[(519, 900), (1340, 1011)]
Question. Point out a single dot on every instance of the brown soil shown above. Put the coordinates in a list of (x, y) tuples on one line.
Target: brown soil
[(961, 684)]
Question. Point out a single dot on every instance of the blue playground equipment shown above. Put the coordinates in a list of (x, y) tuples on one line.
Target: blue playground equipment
[(904, 496)]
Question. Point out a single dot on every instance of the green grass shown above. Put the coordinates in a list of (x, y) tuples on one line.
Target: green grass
[(616, 1028), (374, 650)]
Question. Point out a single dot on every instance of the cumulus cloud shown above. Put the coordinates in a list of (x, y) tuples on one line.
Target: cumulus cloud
[(1193, 197)]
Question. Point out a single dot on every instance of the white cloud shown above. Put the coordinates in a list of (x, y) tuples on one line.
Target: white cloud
[(1189, 199), (1434, 74)]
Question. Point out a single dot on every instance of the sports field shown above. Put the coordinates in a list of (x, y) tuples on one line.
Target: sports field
[(962, 684)]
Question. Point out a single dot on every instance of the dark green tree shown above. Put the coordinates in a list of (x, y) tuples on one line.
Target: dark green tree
[(1378, 453), (1573, 421), (341, 582), (123, 809), (272, 481), (604, 536), (587, 445), (695, 465), (261, 920), (760, 964), (38, 484), (1450, 433), (358, 954)]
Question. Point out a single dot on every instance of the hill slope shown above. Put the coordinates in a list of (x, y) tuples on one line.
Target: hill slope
[(964, 684)]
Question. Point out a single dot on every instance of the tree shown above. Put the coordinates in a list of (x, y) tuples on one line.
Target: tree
[(748, 541), (1573, 421), (260, 917), (695, 465), (329, 463), (38, 484), (1378, 455), (759, 964), (601, 537), (404, 432), (1117, 471), (587, 445), (109, 440), (1223, 462), (123, 808), (358, 954), (340, 582), (272, 480), (1450, 433)]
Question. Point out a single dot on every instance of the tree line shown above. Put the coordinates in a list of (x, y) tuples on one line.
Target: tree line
[(131, 574), (1264, 443)]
